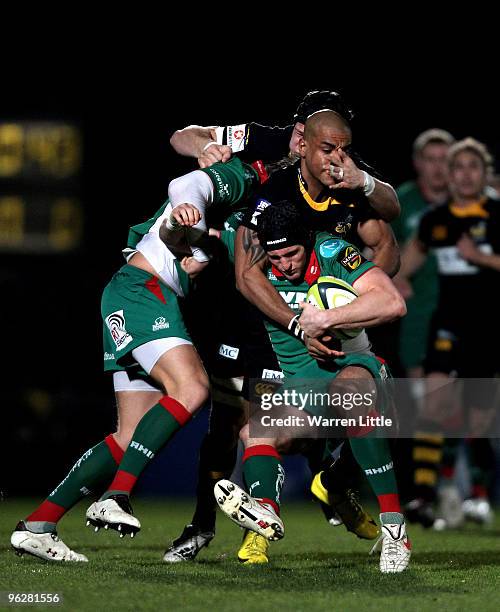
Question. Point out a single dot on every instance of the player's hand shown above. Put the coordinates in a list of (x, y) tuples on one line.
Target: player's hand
[(213, 154), (345, 172), (468, 249), (193, 267), (313, 320), (185, 215), (404, 287), (320, 349)]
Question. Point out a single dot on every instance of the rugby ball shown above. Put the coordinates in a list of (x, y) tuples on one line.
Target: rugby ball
[(330, 292)]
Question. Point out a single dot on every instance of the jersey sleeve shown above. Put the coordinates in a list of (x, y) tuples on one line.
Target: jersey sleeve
[(233, 181), (252, 141), (228, 239), (341, 259)]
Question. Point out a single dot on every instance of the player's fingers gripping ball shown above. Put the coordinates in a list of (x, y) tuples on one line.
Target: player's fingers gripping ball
[(330, 292)]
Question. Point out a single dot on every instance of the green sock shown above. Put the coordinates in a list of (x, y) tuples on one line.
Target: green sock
[(154, 430), (263, 474), (92, 472), (374, 457)]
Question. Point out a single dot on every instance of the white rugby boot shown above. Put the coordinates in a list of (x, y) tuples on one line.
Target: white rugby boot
[(116, 513), (248, 512), (43, 545), (396, 548)]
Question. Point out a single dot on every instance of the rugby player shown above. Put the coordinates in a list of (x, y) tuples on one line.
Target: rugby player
[(304, 255)]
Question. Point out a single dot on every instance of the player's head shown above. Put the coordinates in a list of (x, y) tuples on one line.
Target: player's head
[(311, 103), (430, 158), (283, 235), (325, 133), (470, 164)]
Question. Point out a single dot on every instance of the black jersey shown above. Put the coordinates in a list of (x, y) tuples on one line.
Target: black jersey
[(251, 141), (338, 214), (464, 287)]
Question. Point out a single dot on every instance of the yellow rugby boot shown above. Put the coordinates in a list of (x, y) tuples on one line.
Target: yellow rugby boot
[(253, 549), (348, 508)]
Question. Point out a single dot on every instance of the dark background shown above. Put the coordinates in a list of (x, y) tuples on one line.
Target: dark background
[(56, 401)]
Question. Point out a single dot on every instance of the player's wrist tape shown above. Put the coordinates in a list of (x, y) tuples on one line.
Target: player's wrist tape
[(369, 184), (209, 144), (294, 327)]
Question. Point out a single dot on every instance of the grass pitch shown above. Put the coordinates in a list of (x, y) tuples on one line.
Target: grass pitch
[(315, 567)]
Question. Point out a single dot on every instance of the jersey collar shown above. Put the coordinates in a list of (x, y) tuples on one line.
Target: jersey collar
[(313, 271), (475, 209), (319, 206)]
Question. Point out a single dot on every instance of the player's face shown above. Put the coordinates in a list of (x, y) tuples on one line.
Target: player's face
[(290, 261), (297, 134), (467, 175), (320, 150), (432, 166)]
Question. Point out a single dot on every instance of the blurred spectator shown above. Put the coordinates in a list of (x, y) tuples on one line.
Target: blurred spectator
[(429, 189), (465, 237)]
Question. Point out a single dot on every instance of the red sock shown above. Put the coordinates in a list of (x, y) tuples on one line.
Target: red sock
[(389, 502)]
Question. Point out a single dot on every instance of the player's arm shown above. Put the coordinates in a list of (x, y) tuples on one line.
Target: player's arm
[(194, 189), (381, 196), (412, 259), (202, 143), (469, 251), (379, 302), (379, 237), (250, 260)]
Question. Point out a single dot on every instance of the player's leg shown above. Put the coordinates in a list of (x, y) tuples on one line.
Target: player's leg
[(179, 370), (335, 486), (427, 452), (258, 509), (217, 459), (374, 457), (37, 533)]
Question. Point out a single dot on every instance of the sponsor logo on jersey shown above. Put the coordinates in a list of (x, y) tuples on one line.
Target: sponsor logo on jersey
[(272, 374), (230, 352), (293, 298), (261, 205), (109, 356), (351, 259), (478, 231), (160, 323), (116, 325), (271, 275), (236, 137), (330, 248), (222, 187)]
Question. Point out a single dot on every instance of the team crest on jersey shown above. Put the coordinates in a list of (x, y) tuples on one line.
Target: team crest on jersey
[(116, 325), (330, 248), (351, 259), (439, 232), (343, 227)]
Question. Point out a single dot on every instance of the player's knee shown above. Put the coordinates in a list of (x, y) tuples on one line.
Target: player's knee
[(123, 438), (193, 395), (245, 434)]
